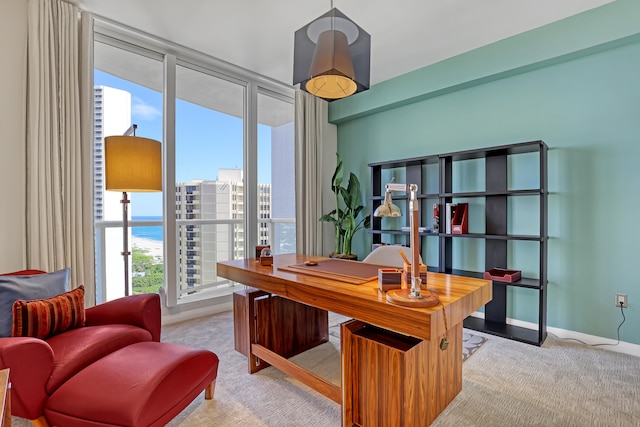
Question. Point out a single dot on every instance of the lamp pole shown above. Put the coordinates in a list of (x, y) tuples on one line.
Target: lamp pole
[(125, 240), (412, 189), (415, 245), (125, 223)]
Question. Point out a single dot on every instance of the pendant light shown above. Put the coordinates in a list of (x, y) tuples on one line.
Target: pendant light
[(332, 57)]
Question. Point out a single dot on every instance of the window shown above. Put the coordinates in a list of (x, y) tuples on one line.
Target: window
[(229, 173), (208, 163), (276, 179), (122, 98)]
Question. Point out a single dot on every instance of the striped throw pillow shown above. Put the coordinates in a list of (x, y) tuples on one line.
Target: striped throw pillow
[(46, 317)]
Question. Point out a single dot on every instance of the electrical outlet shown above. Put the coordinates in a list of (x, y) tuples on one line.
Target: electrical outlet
[(621, 300)]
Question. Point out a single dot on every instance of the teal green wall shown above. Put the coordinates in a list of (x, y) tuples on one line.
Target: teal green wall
[(574, 84)]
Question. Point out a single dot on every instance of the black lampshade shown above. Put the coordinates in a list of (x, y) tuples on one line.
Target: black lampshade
[(332, 56)]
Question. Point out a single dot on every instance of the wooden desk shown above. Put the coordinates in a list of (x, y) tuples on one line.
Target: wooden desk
[(405, 335), (5, 399)]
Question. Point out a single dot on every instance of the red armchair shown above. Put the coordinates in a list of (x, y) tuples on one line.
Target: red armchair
[(45, 373), (39, 367)]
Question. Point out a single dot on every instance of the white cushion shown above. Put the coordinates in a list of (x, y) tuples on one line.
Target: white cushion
[(389, 255)]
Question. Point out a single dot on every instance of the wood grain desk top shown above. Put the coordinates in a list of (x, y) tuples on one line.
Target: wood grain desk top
[(459, 296)]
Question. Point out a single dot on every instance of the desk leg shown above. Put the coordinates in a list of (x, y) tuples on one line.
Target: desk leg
[(390, 379)]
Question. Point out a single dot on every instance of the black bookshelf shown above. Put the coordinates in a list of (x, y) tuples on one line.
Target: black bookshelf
[(496, 237)]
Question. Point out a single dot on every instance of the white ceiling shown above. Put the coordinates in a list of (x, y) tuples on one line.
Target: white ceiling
[(405, 34)]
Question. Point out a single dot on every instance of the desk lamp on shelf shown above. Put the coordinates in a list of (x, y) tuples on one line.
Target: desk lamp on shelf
[(132, 164), (414, 296)]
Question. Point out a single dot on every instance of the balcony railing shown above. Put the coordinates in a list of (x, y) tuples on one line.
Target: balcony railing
[(221, 242)]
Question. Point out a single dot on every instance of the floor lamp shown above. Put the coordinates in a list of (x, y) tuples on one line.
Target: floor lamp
[(132, 164)]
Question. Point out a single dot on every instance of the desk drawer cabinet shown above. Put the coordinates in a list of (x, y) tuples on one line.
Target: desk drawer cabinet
[(280, 325), (395, 380)]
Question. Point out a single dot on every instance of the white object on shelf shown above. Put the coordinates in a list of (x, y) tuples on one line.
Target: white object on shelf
[(450, 211)]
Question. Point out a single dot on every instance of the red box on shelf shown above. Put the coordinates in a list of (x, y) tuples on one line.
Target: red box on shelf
[(460, 221), (503, 275)]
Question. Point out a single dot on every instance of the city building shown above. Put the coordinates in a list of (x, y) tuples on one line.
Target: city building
[(202, 243), (111, 116)]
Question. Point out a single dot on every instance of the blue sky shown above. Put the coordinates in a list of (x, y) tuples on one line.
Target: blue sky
[(206, 140)]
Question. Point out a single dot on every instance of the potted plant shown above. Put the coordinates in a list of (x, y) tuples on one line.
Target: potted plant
[(345, 216)]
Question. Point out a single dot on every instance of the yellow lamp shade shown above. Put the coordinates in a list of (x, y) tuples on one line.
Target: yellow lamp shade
[(132, 164), (331, 86)]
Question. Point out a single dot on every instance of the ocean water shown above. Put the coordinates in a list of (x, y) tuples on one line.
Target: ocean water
[(152, 233)]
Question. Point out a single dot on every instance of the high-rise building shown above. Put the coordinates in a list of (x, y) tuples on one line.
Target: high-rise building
[(111, 116), (201, 246)]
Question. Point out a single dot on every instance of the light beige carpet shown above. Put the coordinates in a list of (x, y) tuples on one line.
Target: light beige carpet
[(505, 383), (269, 397)]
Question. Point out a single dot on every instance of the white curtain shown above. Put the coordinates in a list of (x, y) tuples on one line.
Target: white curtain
[(315, 146), (59, 208)]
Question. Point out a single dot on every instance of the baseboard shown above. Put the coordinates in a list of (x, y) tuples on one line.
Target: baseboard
[(621, 347), (169, 317)]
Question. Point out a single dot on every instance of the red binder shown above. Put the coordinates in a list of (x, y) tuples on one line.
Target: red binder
[(460, 221)]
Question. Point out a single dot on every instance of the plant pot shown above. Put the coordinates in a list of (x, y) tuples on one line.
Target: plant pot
[(348, 257)]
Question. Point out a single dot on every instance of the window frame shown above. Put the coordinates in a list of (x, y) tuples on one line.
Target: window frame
[(173, 55)]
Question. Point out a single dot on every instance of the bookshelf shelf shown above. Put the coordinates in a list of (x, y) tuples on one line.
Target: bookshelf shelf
[(500, 165)]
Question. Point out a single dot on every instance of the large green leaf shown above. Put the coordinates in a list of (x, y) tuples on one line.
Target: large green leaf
[(338, 175), (346, 198), (329, 218), (354, 191)]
